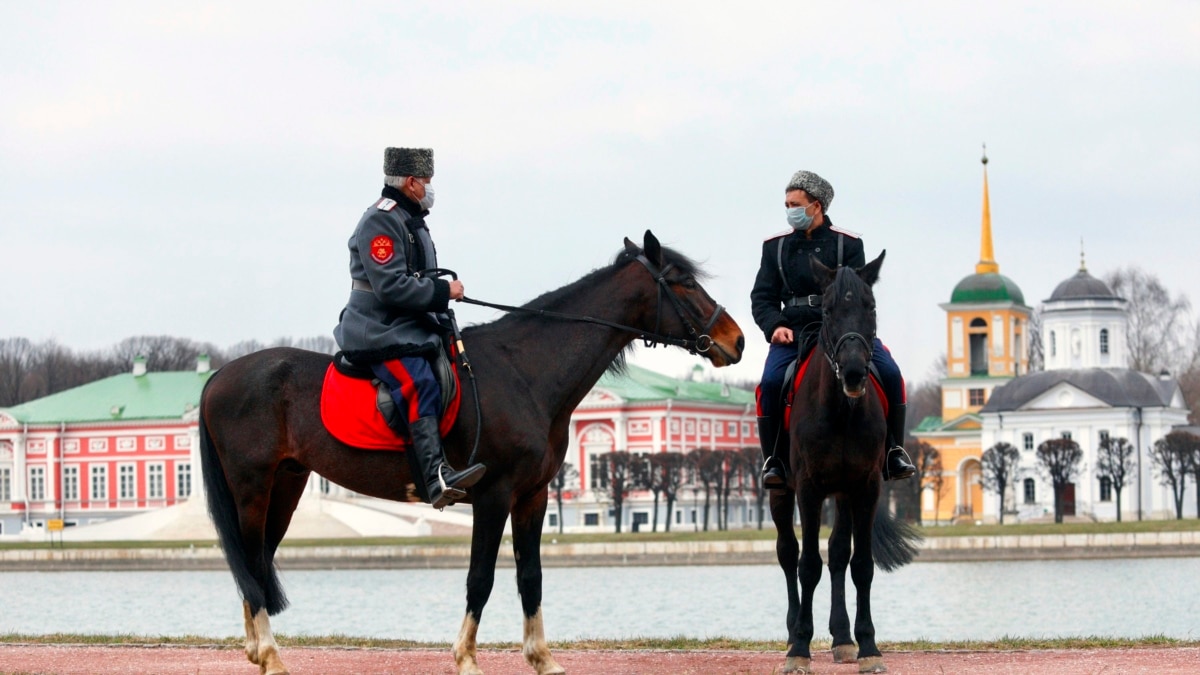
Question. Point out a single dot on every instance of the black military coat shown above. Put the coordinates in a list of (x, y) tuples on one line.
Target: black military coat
[(785, 291)]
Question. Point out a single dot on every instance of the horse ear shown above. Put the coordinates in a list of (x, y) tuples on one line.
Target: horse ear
[(870, 272), (653, 249), (631, 247), (824, 275)]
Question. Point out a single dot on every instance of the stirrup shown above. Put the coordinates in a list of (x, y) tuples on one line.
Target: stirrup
[(906, 472), (772, 469)]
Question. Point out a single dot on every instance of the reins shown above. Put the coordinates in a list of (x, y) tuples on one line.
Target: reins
[(698, 342)]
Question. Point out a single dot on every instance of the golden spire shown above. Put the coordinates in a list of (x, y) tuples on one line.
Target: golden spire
[(987, 261)]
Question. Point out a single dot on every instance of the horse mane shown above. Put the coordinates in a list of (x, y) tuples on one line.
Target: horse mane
[(558, 300)]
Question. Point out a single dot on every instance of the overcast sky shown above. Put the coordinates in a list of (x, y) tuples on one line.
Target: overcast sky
[(195, 169)]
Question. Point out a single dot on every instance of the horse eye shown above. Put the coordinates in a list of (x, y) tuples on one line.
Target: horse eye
[(689, 284)]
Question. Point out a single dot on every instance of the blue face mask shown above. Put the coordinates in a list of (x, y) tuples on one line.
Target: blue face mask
[(799, 219)]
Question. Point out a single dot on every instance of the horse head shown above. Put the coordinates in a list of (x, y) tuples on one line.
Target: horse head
[(848, 321), (677, 305)]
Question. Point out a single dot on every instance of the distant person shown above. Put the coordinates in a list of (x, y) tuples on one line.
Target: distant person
[(786, 304), (394, 321)]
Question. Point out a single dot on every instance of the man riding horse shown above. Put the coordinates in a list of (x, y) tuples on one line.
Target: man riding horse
[(395, 321), (786, 304)]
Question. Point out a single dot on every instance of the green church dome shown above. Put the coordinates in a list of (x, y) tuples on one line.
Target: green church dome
[(989, 287)]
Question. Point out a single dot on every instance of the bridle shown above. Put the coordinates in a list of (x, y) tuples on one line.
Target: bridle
[(697, 342), (831, 352)]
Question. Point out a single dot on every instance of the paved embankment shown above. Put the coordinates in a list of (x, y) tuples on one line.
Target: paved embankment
[(933, 549)]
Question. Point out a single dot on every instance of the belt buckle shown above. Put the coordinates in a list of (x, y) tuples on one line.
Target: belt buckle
[(814, 304)]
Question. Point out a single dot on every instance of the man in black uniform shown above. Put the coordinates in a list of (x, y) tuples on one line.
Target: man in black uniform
[(786, 303), (394, 319)]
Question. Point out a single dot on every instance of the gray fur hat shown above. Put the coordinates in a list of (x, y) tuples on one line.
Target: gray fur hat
[(818, 188), (408, 162)]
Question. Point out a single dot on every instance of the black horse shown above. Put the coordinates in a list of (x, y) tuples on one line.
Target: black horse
[(837, 433), (261, 433)]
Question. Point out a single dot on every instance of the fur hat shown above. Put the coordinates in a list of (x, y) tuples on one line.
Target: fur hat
[(408, 162), (818, 188)]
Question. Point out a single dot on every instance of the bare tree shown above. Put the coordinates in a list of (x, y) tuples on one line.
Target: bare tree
[(16, 363), (566, 477), (1159, 335), (1059, 460), (1114, 461), (622, 472), (707, 473), (1173, 456), (999, 466), (668, 470), (751, 459), (1189, 384), (162, 352), (1037, 351), (731, 467)]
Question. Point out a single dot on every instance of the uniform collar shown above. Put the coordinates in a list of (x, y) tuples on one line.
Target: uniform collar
[(825, 231), (403, 200)]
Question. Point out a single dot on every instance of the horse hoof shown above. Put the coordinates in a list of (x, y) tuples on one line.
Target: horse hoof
[(845, 653), (798, 664), (871, 664)]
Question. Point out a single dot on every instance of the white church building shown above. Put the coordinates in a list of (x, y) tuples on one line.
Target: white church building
[(1086, 393)]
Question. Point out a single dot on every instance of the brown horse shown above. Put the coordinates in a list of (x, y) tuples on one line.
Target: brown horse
[(837, 433), (261, 433)]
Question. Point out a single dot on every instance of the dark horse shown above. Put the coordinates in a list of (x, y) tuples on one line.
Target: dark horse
[(261, 433), (837, 435)]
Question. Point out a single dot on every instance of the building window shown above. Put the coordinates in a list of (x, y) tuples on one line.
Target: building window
[(1103, 340), (71, 483), (1028, 441), (323, 485), (745, 429), (1030, 492), (597, 473), (732, 429), (126, 477), (1053, 344), (99, 482), (1103, 436), (1066, 435), (678, 517), (155, 485), (979, 346), (553, 520), (183, 480), (37, 483), (97, 445), (975, 397), (1105, 489), (591, 519), (5, 485)]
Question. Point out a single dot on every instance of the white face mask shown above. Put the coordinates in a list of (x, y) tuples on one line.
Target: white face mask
[(427, 201)]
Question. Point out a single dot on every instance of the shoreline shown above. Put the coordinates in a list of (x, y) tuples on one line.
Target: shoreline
[(659, 553)]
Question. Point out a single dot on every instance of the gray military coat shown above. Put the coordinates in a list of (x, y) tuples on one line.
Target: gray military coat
[(392, 311)]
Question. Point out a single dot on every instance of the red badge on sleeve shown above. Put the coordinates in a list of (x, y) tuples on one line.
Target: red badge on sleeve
[(381, 249)]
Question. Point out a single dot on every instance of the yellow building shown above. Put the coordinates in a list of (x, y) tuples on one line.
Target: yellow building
[(987, 344)]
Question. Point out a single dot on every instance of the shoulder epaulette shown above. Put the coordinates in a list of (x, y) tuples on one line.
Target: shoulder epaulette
[(385, 204), (848, 233), (780, 234)]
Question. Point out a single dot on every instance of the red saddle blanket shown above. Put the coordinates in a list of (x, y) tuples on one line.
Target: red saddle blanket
[(350, 413), (795, 386)]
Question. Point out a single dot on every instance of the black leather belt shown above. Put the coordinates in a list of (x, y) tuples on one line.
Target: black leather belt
[(361, 285), (803, 301)]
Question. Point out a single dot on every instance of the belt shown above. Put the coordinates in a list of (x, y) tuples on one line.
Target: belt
[(361, 285), (803, 301)]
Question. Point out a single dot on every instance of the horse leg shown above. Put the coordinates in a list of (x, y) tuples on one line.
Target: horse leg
[(491, 510), (799, 657), (862, 571), (527, 519), (839, 557), (787, 549)]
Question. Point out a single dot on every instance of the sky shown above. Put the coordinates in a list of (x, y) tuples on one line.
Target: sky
[(195, 169)]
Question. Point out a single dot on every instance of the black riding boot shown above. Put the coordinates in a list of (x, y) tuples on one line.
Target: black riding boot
[(774, 471), (443, 486), (898, 464)]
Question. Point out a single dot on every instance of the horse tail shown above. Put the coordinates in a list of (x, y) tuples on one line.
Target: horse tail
[(893, 543), (223, 510)]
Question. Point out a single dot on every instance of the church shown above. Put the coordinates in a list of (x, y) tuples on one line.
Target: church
[(1086, 392)]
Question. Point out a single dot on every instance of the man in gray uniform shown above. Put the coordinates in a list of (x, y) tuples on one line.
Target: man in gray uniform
[(395, 319)]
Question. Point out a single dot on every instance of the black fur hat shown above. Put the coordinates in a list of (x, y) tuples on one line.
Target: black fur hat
[(408, 162)]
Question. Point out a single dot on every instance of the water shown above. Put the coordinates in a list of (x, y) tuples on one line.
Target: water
[(937, 601)]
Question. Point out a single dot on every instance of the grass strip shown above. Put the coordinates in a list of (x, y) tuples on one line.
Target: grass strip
[(1006, 643)]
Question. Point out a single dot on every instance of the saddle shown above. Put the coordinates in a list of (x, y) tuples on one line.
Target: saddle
[(358, 410), (795, 375)]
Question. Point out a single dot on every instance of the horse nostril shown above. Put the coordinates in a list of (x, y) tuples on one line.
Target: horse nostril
[(741, 343)]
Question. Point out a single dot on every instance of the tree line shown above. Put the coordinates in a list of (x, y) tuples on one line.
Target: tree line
[(718, 474), (31, 370), (1173, 458)]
